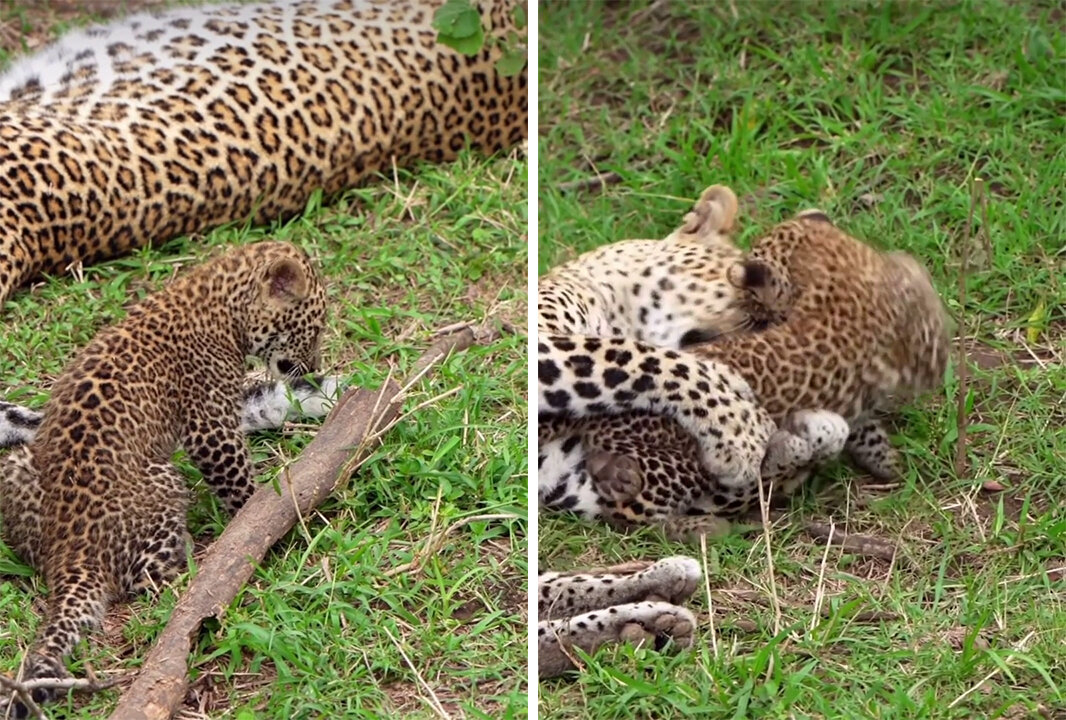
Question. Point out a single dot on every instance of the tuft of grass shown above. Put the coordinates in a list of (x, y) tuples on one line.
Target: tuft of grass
[(360, 611), (881, 115)]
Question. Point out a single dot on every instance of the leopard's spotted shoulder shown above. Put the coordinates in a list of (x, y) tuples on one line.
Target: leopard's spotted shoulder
[(166, 124)]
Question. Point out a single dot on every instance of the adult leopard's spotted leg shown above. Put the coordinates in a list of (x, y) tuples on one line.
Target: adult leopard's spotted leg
[(583, 377), (634, 603), (266, 405)]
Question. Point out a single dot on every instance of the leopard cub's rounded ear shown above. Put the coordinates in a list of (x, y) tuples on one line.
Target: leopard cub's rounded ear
[(814, 215), (723, 205), (286, 280), (748, 274)]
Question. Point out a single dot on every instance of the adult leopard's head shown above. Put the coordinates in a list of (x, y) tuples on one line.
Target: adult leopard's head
[(669, 292)]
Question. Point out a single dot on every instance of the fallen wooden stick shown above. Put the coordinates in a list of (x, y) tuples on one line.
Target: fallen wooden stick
[(342, 443), (864, 545), (591, 184)]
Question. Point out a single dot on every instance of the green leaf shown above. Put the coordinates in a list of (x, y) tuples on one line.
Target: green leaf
[(458, 26), (467, 46), (519, 17), (1036, 323), (511, 62)]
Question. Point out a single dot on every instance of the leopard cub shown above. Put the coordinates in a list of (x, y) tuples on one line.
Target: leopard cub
[(94, 503)]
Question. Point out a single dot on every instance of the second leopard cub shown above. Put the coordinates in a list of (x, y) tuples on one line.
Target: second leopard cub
[(94, 503)]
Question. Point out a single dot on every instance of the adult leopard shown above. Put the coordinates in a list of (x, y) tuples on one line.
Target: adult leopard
[(165, 124)]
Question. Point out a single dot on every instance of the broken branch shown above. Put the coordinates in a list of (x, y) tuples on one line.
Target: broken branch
[(856, 544), (343, 442)]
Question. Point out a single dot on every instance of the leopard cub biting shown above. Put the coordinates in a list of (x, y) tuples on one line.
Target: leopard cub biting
[(94, 503), (615, 326)]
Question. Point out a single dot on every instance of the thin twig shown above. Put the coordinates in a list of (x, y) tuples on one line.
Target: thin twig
[(707, 589), (764, 509), (76, 684), (23, 689), (961, 418), (819, 595), (434, 701)]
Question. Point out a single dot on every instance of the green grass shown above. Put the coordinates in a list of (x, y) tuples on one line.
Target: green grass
[(881, 115), (322, 628)]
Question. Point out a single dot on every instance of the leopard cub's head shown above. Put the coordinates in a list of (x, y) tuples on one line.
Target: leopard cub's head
[(764, 277), (289, 312)]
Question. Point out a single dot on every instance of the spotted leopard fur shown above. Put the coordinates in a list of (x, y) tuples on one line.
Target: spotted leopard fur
[(680, 285), (637, 602), (858, 332), (94, 503), (160, 125)]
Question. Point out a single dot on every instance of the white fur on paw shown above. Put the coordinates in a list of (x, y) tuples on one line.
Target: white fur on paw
[(826, 432), (656, 619), (317, 402), (787, 451), (673, 578)]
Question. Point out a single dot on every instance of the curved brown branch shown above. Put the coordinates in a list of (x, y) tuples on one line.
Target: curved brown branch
[(342, 443)]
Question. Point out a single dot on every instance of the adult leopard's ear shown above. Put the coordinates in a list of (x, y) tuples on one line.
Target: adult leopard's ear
[(286, 281), (713, 215), (815, 215)]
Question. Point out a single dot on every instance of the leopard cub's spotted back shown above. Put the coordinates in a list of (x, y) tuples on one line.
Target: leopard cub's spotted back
[(94, 503)]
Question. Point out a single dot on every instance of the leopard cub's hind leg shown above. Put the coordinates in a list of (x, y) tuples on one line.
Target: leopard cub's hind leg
[(158, 539)]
